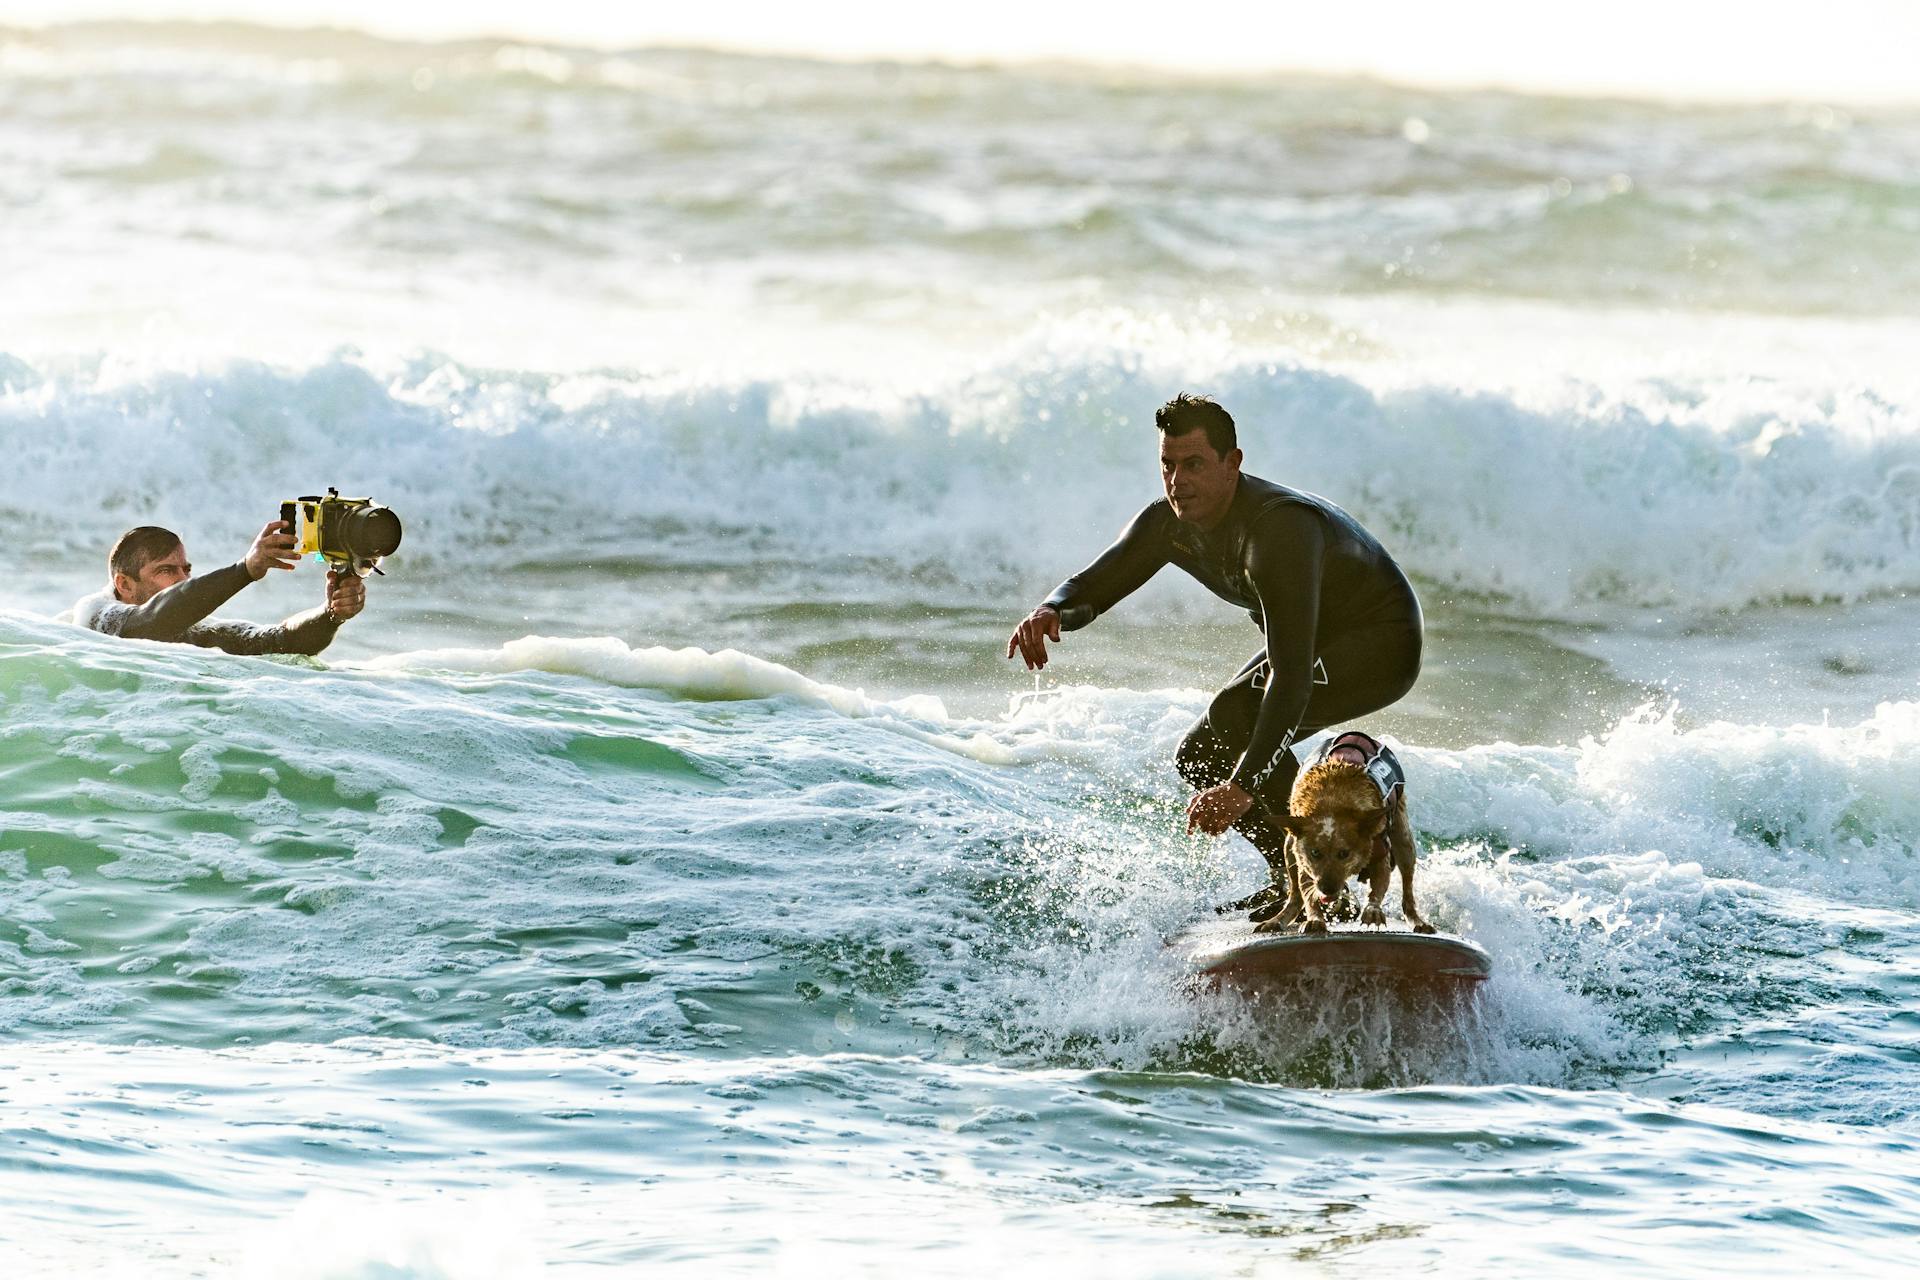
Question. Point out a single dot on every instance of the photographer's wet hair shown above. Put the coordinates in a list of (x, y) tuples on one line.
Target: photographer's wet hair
[(140, 547), (1186, 413)]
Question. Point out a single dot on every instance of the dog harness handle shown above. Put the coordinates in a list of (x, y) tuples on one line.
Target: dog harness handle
[(1382, 766)]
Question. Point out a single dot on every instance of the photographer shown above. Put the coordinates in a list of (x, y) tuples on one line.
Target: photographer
[(152, 595)]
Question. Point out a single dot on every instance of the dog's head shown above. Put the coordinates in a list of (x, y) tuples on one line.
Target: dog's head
[(1337, 816)]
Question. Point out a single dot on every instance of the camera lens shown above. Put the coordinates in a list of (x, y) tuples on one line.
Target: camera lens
[(368, 533)]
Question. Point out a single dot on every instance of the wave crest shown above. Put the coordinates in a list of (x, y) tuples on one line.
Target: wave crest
[(1659, 497)]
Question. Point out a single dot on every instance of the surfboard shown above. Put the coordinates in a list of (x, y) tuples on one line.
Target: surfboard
[(1230, 953)]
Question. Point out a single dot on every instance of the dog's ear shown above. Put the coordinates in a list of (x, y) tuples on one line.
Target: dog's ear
[(1295, 824), (1378, 825)]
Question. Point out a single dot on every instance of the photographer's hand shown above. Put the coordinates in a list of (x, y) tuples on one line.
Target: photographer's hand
[(273, 548), (346, 594)]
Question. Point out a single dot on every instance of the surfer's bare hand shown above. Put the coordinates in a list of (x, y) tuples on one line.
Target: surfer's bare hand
[(1217, 808), (273, 548), (1030, 637)]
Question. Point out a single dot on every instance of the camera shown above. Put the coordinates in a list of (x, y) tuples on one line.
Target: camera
[(352, 534)]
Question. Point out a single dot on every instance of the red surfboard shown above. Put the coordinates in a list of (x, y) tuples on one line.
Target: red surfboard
[(1229, 952)]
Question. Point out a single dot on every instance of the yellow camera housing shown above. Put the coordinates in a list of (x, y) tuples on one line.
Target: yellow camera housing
[(353, 534)]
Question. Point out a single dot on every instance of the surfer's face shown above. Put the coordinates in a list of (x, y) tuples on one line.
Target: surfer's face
[(1199, 482)]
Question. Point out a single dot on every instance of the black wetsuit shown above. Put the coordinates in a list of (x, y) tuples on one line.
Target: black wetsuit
[(180, 614), (1342, 624)]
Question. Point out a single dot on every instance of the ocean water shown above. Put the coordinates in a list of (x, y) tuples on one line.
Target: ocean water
[(669, 874)]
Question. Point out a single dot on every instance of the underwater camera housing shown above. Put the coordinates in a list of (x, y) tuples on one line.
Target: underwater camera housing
[(348, 533)]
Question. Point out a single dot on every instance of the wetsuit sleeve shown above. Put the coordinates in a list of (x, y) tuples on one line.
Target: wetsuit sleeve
[(173, 612), (1284, 553), (304, 633), (1136, 555)]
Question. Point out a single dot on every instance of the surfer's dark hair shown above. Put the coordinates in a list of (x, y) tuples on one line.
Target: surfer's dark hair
[(1186, 413), (139, 548)]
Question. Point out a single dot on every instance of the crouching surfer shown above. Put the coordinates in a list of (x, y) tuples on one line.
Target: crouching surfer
[(151, 594), (1342, 625)]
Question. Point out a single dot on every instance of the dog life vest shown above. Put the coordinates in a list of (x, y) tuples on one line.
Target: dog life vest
[(1382, 766)]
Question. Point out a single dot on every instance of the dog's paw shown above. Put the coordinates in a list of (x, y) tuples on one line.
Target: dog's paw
[(1313, 926), (1424, 927), (1374, 915), (1269, 926)]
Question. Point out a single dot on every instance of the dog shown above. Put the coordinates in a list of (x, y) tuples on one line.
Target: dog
[(1347, 817)]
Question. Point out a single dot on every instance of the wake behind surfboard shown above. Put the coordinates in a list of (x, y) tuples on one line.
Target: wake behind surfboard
[(1230, 953)]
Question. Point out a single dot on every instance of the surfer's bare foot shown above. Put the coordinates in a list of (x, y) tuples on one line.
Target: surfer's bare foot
[(1270, 910), (1256, 901)]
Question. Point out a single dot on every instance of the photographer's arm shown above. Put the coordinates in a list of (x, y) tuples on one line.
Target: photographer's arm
[(173, 612), (178, 610), (304, 633)]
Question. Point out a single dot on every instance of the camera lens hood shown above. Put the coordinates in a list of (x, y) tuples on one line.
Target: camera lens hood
[(369, 533)]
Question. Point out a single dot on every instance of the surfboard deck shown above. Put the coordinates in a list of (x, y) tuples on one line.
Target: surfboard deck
[(1229, 951)]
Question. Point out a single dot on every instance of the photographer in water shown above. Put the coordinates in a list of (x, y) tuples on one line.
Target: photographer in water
[(152, 595)]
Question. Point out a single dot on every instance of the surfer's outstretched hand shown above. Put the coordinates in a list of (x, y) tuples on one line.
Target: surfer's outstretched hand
[(1217, 808), (1030, 637)]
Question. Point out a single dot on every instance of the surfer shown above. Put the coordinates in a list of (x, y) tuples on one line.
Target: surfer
[(1342, 625), (151, 594)]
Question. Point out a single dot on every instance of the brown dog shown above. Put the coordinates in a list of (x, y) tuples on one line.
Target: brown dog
[(1346, 819)]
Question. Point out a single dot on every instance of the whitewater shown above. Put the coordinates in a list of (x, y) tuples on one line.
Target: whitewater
[(668, 872)]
